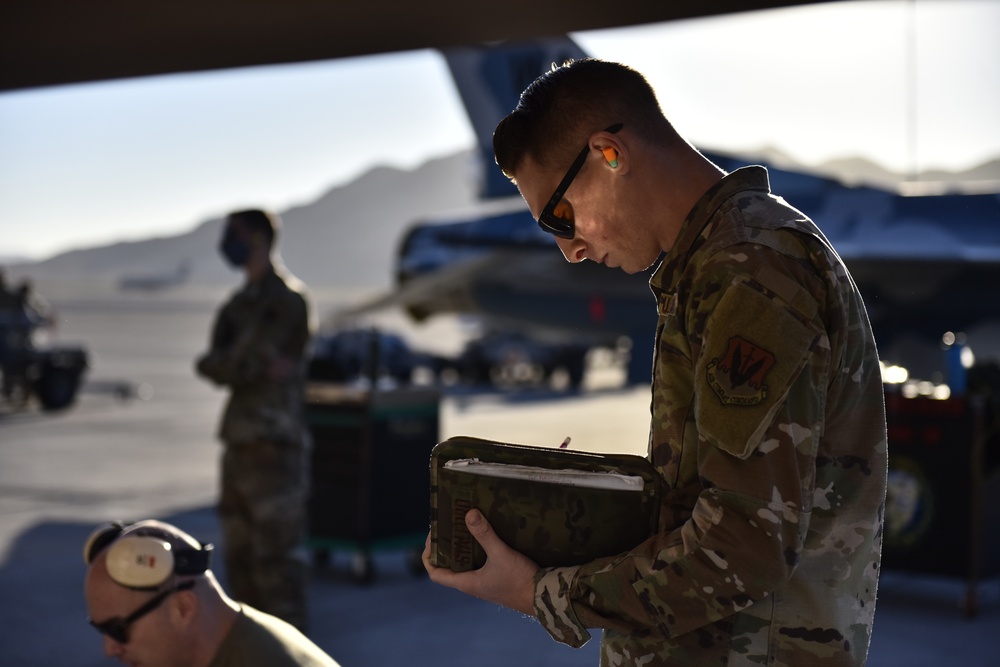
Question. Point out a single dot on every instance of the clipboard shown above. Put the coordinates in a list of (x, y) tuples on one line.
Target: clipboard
[(558, 507)]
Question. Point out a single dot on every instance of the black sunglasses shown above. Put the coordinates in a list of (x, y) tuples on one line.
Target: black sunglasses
[(547, 219), (117, 628)]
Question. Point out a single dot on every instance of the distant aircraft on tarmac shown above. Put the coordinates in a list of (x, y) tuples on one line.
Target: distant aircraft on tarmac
[(151, 282)]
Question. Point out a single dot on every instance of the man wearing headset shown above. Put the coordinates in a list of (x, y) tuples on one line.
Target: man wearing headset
[(152, 595), (767, 418)]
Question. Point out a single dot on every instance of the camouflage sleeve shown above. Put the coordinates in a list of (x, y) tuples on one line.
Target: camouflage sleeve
[(241, 351), (216, 364), (283, 330), (759, 355)]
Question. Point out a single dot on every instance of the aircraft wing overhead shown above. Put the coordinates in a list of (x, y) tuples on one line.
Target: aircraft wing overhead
[(50, 42)]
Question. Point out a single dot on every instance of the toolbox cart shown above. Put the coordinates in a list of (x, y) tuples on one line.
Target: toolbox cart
[(370, 480)]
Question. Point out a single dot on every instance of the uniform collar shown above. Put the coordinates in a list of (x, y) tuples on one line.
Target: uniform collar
[(693, 227), (265, 283)]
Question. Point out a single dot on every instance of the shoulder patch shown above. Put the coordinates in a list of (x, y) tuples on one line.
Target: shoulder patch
[(754, 350), (738, 377)]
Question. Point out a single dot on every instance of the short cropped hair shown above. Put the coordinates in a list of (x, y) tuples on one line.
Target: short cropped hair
[(559, 111), (260, 222)]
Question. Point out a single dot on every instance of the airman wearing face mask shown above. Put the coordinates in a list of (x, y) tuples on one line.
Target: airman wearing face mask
[(257, 350)]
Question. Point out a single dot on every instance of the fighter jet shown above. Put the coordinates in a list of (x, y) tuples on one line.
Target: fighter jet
[(926, 264)]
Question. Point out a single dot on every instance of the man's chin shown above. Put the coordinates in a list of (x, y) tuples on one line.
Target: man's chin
[(654, 262), (632, 270)]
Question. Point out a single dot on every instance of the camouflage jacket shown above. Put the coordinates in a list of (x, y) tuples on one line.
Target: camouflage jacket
[(262, 322), (768, 427)]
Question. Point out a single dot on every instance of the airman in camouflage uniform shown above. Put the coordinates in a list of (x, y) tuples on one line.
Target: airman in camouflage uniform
[(257, 349), (768, 424), (768, 428)]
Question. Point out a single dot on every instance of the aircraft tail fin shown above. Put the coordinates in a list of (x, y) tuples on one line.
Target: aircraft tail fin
[(490, 79)]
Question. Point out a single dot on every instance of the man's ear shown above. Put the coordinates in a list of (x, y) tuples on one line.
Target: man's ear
[(614, 151), (184, 607)]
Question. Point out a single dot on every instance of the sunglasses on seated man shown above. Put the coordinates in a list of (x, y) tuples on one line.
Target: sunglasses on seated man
[(547, 219), (117, 628)]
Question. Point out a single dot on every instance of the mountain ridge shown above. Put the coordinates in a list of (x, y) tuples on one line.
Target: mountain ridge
[(345, 238)]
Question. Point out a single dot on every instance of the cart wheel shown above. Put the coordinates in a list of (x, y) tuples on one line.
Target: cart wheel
[(415, 562), (362, 570), (321, 558)]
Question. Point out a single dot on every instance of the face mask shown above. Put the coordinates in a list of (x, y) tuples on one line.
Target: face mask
[(235, 251)]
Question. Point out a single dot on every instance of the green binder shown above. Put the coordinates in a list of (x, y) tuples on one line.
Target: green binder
[(558, 507)]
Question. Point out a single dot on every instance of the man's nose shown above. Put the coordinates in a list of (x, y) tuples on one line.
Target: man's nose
[(574, 250), (112, 648)]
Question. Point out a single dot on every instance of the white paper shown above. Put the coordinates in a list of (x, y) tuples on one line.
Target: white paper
[(581, 478)]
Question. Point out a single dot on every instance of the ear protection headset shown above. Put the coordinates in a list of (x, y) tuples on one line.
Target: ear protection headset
[(611, 155), (144, 558)]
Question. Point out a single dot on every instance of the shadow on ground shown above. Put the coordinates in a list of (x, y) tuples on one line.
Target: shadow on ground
[(402, 618)]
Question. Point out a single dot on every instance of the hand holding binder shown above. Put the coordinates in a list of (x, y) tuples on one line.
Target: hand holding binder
[(555, 506)]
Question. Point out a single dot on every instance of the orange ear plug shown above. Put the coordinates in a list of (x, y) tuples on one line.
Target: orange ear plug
[(611, 155)]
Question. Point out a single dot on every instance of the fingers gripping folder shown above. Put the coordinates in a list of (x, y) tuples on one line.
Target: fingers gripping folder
[(557, 507)]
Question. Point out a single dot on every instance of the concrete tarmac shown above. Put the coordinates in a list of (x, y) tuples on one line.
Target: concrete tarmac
[(156, 456)]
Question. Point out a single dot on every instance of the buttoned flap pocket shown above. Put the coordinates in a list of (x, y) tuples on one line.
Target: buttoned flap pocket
[(754, 349)]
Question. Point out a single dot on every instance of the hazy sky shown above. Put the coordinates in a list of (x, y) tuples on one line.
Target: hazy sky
[(907, 84)]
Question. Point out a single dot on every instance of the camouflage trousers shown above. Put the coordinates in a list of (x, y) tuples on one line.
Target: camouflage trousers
[(262, 511)]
